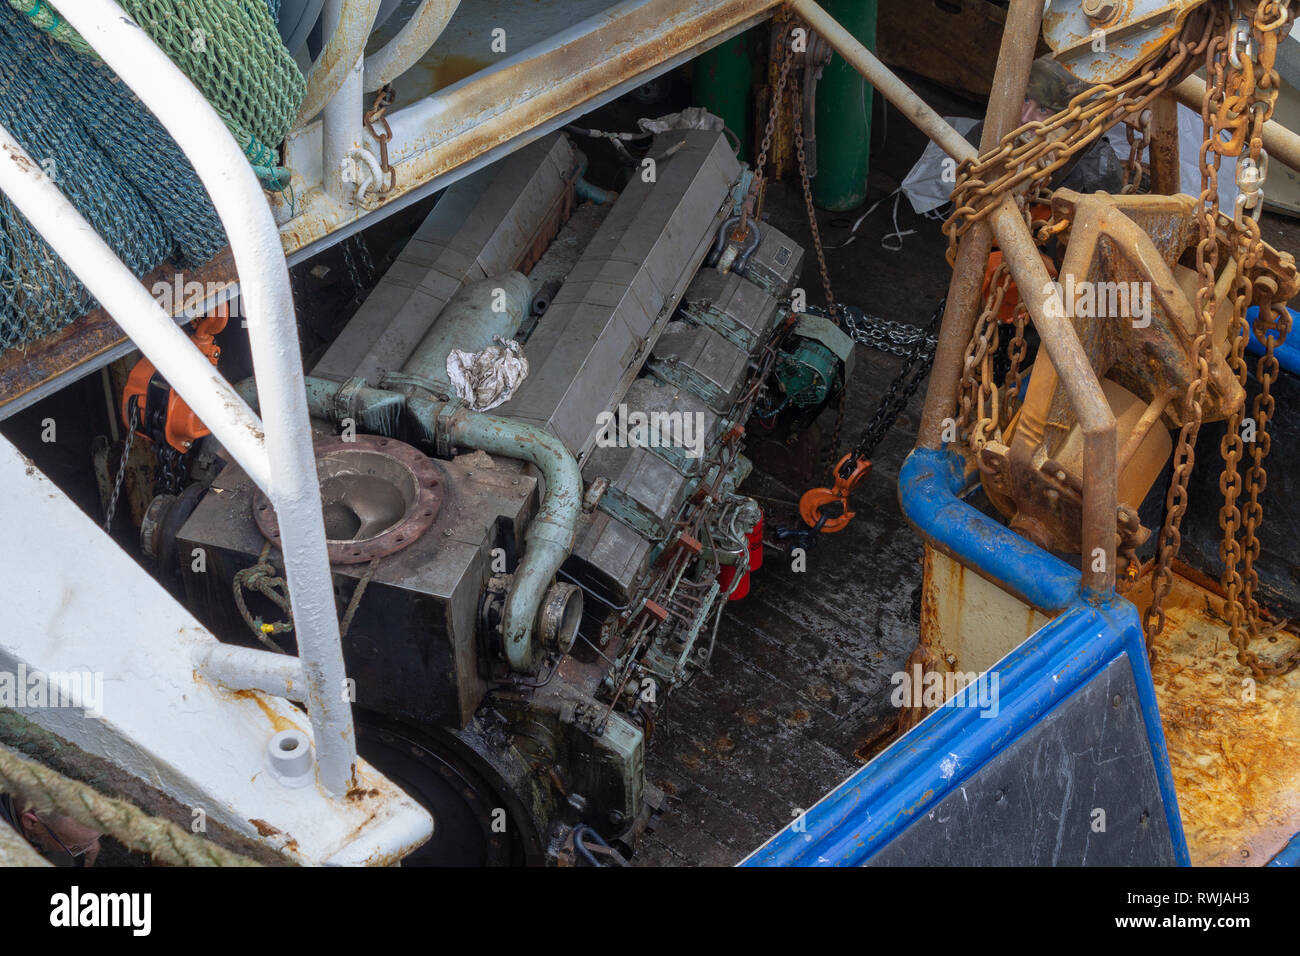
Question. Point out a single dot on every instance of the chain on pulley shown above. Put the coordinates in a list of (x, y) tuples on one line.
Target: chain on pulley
[(1239, 57)]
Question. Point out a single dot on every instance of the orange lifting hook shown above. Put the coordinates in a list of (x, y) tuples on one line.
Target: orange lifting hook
[(847, 477)]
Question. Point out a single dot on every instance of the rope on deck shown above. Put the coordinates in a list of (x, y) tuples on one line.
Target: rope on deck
[(15, 851), (162, 840)]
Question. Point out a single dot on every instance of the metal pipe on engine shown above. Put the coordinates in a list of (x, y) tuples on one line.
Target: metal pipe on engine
[(550, 536)]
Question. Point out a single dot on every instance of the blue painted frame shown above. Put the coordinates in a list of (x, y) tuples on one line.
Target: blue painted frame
[(1289, 855), (875, 804)]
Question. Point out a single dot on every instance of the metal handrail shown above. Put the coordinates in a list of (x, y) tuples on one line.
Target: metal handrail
[(1040, 295), (350, 22), (276, 451)]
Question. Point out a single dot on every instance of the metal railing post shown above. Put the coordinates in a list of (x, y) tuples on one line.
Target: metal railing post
[(290, 482), (1041, 296)]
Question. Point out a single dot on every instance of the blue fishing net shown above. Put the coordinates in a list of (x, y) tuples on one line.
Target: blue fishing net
[(112, 159)]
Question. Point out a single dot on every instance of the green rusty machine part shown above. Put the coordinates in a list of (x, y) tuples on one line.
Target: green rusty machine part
[(810, 371), (844, 116)]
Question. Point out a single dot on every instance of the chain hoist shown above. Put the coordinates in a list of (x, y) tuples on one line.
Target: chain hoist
[(827, 509), (1249, 112)]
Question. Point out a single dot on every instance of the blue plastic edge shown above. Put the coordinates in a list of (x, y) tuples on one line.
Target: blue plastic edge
[(875, 804), (928, 487), (1288, 356), (1289, 855)]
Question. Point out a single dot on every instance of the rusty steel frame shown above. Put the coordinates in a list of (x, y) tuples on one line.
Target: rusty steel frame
[(1279, 142), (455, 131), (1019, 251)]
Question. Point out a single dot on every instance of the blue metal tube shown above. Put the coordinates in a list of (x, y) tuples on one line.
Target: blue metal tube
[(928, 486)]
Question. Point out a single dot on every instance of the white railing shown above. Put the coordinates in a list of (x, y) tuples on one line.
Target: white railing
[(276, 451)]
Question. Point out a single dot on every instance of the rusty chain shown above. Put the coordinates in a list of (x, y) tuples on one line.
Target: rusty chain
[(1029, 155), (1139, 138), (382, 133), (1207, 262), (1240, 94), (1243, 102), (749, 207), (831, 453), (978, 395)]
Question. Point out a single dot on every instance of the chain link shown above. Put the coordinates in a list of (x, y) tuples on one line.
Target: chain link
[(1028, 156), (883, 335), (1241, 91), (1139, 137), (915, 368), (133, 422), (1240, 544)]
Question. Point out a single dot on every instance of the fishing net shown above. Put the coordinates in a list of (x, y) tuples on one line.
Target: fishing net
[(111, 157)]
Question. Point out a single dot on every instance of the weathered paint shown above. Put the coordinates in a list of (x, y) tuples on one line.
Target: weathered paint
[(1236, 760)]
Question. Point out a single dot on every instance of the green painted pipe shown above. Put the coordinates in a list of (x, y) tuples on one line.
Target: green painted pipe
[(723, 85), (844, 115), (478, 314), (550, 536)]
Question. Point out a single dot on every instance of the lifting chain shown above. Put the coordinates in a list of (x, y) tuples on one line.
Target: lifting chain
[(1028, 156), (978, 415), (1138, 135), (750, 206), (377, 124), (132, 424), (751, 202), (1241, 91), (1240, 544)]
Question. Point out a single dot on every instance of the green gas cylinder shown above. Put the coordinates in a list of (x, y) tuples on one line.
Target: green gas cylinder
[(844, 115)]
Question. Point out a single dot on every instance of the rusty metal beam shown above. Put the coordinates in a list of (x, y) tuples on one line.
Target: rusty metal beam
[(1281, 144), (1015, 57), (449, 134), (1165, 175), (1100, 452), (1021, 255)]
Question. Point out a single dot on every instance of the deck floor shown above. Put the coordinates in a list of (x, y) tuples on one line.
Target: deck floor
[(1234, 741), (799, 681)]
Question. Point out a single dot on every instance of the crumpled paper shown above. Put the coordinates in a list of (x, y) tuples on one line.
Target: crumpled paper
[(693, 117), (486, 379)]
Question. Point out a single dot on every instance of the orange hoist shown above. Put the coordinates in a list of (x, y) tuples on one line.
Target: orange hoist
[(826, 510), (154, 410)]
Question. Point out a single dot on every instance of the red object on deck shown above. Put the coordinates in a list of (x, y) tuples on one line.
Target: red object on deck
[(754, 542)]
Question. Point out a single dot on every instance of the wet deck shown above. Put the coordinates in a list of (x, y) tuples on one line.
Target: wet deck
[(799, 682)]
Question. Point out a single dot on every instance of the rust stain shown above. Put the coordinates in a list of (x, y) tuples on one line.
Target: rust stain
[(263, 828), (278, 721), (361, 793), (1234, 742), (450, 69)]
